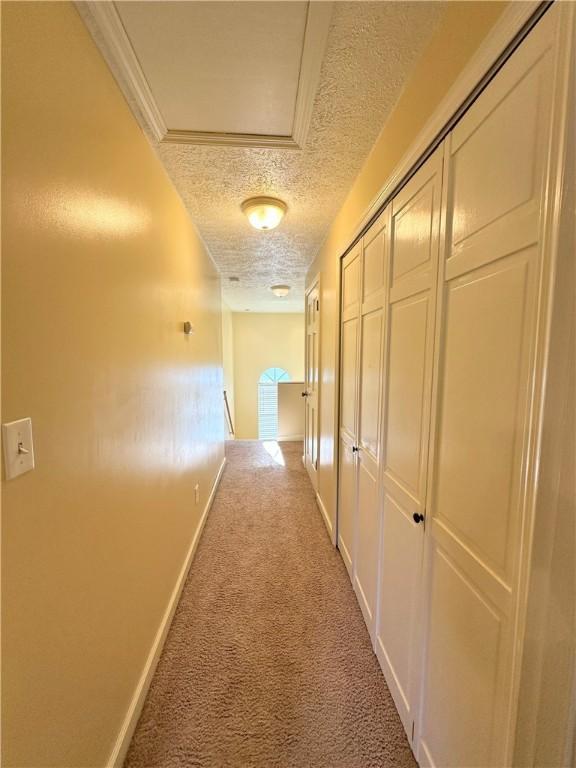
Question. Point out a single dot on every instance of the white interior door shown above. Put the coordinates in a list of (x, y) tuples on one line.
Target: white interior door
[(372, 322), (348, 435), (483, 400), (410, 309), (311, 384)]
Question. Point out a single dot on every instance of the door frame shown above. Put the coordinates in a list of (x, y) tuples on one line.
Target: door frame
[(336, 403), (313, 285)]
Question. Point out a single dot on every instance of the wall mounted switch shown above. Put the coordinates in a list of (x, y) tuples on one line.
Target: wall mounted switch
[(18, 447)]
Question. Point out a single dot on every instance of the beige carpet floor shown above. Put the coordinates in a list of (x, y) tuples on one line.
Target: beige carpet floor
[(268, 663)]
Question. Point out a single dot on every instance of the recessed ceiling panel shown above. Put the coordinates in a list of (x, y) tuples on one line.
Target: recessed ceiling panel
[(356, 59), (222, 67)]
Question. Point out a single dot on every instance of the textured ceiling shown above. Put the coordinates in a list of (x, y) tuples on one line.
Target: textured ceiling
[(371, 50)]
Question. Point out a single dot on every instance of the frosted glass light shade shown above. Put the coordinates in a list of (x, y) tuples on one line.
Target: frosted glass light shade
[(264, 212), (280, 290)]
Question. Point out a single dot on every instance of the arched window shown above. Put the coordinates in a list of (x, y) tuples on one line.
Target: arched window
[(268, 402)]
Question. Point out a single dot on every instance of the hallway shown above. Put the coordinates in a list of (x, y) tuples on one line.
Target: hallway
[(288, 384), (268, 661)]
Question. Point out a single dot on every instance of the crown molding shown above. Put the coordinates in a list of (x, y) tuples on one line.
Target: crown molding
[(315, 37), (105, 25), (229, 139)]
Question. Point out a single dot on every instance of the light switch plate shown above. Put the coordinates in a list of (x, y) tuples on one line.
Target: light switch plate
[(18, 447)]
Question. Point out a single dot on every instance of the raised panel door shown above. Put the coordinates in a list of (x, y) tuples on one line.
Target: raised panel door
[(486, 342), (410, 317), (311, 384), (348, 431), (375, 258)]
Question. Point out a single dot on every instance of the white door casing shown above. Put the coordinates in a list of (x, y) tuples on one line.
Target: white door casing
[(311, 393), (348, 428)]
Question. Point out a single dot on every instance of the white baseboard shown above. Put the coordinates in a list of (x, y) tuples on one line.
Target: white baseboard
[(326, 518), (290, 438), (120, 749)]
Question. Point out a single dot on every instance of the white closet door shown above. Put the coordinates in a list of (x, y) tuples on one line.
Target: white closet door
[(414, 249), (351, 282), (311, 384), (374, 265), (483, 391)]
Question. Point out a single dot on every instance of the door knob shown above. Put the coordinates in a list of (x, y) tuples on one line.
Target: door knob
[(304, 394), (417, 517), (355, 449)]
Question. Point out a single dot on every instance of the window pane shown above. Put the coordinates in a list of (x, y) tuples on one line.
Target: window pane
[(267, 411), (268, 402)]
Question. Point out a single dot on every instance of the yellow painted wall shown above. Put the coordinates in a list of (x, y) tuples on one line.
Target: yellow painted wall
[(228, 360), (461, 30), (263, 340), (101, 266)]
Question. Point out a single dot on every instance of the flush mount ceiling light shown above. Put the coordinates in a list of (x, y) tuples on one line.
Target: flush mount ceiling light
[(264, 212), (280, 290)]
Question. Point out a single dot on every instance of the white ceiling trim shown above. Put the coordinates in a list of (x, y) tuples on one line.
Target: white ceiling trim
[(107, 29), (105, 25), (315, 36)]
